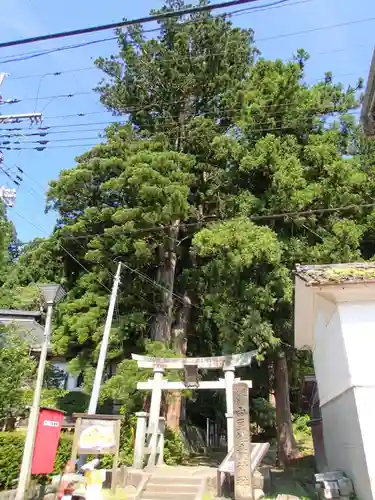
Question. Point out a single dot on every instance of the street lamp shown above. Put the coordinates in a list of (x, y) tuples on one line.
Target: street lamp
[(51, 294)]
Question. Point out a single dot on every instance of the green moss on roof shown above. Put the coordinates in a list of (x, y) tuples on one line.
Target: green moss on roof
[(337, 273), (350, 272)]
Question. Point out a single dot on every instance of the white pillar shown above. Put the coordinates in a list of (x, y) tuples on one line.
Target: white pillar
[(229, 381), (160, 450), (153, 422), (155, 399), (139, 445)]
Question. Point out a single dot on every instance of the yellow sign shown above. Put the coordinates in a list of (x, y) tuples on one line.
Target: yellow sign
[(97, 436)]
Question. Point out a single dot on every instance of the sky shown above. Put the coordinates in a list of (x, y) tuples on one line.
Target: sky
[(338, 34)]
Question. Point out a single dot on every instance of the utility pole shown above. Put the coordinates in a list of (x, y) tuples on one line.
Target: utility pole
[(104, 345), (52, 295), (8, 195)]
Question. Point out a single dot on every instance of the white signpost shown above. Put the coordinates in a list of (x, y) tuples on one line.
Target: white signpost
[(227, 363)]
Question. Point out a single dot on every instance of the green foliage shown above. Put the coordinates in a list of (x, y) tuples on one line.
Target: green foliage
[(300, 423), (11, 449), (227, 174), (263, 413), (122, 387), (175, 452), (303, 434), (73, 402), (17, 373)]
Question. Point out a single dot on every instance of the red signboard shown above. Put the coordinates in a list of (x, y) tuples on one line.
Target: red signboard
[(46, 440)]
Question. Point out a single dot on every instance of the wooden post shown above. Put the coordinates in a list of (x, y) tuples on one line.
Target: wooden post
[(76, 440), (243, 484), (115, 457)]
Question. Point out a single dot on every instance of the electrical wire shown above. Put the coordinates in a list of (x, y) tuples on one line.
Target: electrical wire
[(138, 293), (274, 216), (91, 68), (273, 37), (45, 144), (250, 107), (61, 246), (55, 73), (130, 108), (318, 28), (122, 24), (58, 96)]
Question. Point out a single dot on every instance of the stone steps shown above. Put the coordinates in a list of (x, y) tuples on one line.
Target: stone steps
[(172, 487)]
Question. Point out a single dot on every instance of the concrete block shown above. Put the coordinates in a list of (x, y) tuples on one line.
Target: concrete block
[(258, 494), (345, 487), (329, 476)]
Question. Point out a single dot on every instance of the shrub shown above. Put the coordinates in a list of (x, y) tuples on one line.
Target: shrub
[(11, 449), (175, 451), (12, 443), (263, 413), (73, 402)]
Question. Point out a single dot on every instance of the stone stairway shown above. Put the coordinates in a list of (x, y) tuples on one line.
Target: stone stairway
[(172, 487)]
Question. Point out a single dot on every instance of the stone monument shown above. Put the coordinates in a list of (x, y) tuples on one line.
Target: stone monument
[(243, 488)]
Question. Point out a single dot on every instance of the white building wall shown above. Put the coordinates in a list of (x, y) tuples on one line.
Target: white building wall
[(358, 327), (365, 399), (344, 444), (71, 383), (345, 371), (333, 377), (304, 320)]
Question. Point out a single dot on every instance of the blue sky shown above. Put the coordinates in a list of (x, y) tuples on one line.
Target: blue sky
[(345, 50)]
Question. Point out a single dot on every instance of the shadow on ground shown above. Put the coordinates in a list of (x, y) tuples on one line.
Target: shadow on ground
[(297, 480)]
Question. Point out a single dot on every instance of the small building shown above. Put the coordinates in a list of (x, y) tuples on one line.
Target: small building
[(368, 105), (335, 319), (28, 324)]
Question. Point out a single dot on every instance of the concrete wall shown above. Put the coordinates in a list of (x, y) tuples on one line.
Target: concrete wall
[(358, 330), (344, 444), (330, 359), (343, 351)]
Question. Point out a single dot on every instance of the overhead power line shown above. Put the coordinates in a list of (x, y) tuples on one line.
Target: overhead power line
[(131, 22)]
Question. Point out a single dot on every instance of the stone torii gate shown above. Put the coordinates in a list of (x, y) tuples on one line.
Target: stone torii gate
[(157, 384)]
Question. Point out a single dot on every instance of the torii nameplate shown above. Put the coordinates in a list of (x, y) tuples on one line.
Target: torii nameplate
[(213, 362)]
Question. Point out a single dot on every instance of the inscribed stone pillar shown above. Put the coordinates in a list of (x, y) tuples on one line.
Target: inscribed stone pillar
[(229, 380), (242, 444)]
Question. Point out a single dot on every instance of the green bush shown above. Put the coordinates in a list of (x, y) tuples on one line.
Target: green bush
[(12, 443), (11, 449), (73, 402), (300, 424), (263, 413), (175, 451)]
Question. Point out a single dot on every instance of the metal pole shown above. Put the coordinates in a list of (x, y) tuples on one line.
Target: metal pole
[(104, 345), (34, 412)]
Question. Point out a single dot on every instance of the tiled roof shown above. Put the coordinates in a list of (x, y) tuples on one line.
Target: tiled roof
[(332, 274), (26, 323)]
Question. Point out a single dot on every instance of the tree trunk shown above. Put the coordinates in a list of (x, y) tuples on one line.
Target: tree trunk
[(287, 447), (177, 402), (161, 330)]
